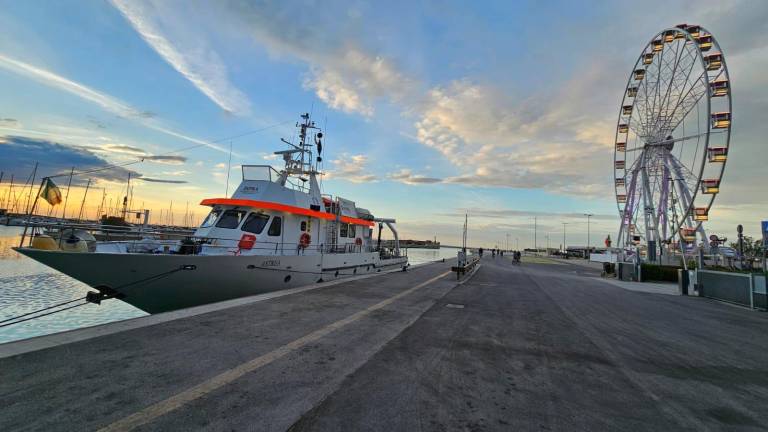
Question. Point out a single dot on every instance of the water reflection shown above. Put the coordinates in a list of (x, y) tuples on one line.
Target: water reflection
[(26, 285)]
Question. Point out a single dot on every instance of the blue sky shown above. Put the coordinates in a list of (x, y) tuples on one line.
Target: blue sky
[(503, 109)]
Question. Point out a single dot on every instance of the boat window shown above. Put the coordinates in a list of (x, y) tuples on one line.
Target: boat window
[(231, 219), (351, 231), (274, 227), (255, 223), (211, 219), (303, 225), (343, 230)]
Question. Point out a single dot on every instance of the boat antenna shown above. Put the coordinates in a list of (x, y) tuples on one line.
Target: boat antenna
[(229, 165)]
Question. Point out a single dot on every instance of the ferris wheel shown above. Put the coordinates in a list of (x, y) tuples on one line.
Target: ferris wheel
[(672, 139)]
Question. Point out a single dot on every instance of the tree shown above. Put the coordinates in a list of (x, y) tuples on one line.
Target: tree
[(752, 248)]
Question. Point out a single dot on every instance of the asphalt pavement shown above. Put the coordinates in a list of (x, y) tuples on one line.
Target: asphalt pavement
[(536, 346)]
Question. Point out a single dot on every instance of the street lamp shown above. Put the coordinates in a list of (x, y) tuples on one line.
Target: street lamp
[(565, 250), (589, 246)]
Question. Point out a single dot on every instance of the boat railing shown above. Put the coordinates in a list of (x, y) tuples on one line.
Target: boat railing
[(173, 240)]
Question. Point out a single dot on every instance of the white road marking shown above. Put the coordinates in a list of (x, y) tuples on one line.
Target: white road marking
[(180, 399)]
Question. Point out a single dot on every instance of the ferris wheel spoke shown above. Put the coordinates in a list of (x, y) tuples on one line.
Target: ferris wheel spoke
[(688, 102), (673, 82)]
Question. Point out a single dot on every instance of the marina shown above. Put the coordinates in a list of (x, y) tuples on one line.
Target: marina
[(477, 217)]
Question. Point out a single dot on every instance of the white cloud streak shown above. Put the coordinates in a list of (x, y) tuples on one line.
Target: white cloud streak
[(188, 53), (106, 102)]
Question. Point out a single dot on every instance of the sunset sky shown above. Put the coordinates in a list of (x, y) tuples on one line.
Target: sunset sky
[(505, 110)]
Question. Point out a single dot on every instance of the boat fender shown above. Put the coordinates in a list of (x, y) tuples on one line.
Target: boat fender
[(44, 242), (304, 240)]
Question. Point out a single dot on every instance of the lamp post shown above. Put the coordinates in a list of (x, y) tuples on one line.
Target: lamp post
[(565, 249), (507, 248), (535, 244), (589, 246)]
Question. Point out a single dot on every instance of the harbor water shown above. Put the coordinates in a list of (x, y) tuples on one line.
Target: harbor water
[(26, 286)]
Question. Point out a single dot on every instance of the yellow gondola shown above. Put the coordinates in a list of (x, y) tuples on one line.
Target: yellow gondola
[(669, 36), (648, 58), (621, 198), (626, 110), (623, 128), (721, 120), (714, 61), (710, 186), (688, 234), (705, 42), (700, 214), (657, 45), (718, 154), (621, 146), (719, 87)]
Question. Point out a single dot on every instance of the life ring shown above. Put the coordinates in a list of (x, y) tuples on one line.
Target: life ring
[(359, 241), (305, 240)]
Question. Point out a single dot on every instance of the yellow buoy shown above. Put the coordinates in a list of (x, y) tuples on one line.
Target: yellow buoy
[(44, 242)]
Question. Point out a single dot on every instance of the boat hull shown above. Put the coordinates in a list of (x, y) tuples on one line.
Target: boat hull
[(161, 283)]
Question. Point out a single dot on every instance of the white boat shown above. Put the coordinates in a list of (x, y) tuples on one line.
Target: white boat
[(276, 231)]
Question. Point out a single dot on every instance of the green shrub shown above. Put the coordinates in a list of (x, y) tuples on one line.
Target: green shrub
[(652, 272)]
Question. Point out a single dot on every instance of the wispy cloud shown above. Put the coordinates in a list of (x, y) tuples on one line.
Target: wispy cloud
[(106, 102), (188, 53), (353, 168), (408, 177)]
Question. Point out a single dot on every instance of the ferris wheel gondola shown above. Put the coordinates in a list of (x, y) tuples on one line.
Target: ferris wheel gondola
[(672, 138)]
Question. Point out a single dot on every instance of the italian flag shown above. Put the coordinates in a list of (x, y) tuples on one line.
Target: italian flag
[(50, 192)]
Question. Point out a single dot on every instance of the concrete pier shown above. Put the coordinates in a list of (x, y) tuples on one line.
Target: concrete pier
[(536, 346)]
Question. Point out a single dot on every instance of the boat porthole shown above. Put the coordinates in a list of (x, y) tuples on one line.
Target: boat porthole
[(336, 274), (287, 279)]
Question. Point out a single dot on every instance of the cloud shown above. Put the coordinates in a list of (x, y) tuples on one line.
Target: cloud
[(342, 73), (496, 141), (352, 80), (122, 148), (186, 51), (352, 168), (9, 122), (105, 101), (166, 159), (154, 180), (58, 159), (406, 176), (21, 154)]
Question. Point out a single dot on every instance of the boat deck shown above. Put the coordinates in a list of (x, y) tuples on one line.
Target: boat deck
[(537, 346)]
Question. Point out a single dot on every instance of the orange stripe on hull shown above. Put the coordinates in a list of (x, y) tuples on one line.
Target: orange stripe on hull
[(281, 207)]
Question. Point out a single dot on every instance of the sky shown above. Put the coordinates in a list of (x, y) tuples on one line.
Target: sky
[(505, 111)]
